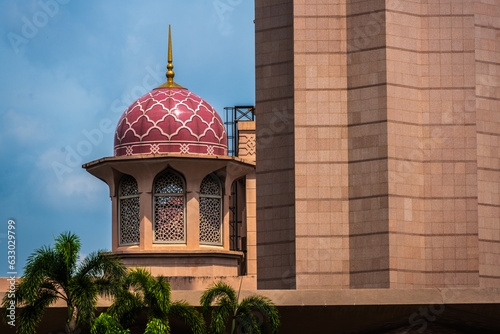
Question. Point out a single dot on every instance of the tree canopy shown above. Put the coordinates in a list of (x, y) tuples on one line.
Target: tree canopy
[(53, 273), (142, 292), (254, 314)]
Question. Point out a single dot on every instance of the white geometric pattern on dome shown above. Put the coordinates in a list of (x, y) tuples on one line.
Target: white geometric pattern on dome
[(129, 150), (155, 148), (170, 112), (184, 148)]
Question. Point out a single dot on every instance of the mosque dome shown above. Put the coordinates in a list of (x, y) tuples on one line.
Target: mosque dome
[(170, 119)]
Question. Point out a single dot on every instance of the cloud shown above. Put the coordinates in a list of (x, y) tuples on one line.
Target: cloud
[(22, 129), (75, 189), (79, 186)]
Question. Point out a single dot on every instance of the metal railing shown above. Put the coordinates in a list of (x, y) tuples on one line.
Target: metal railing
[(233, 116)]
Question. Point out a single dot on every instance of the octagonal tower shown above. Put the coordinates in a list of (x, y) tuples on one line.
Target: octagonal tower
[(170, 182)]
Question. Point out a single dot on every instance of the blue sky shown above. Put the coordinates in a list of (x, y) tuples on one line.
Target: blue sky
[(69, 70)]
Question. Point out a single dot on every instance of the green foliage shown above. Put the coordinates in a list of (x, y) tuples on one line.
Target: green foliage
[(156, 326), (254, 314), (143, 292), (105, 324), (181, 309), (53, 273), (126, 307)]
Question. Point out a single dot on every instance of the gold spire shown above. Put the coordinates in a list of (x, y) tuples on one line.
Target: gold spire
[(170, 74)]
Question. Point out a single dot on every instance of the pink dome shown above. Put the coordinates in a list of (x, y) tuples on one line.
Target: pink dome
[(170, 120)]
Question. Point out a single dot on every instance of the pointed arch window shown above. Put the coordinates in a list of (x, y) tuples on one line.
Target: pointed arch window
[(129, 213), (169, 200), (211, 211)]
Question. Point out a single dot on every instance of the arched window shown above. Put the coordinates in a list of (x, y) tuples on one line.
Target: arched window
[(129, 214), (169, 208), (211, 211)]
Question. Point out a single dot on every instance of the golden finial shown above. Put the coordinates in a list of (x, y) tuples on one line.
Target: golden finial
[(170, 74)]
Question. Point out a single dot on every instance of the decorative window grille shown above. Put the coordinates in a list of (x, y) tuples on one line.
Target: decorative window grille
[(129, 214), (211, 211), (169, 208)]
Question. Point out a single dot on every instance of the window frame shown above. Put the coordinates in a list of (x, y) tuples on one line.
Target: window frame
[(120, 198), (221, 213), (184, 214)]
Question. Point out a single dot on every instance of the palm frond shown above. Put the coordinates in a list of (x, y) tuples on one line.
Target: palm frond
[(216, 291), (266, 308), (18, 298), (58, 270), (107, 271), (126, 307), (139, 278), (109, 287), (35, 264), (112, 265), (32, 313), (91, 266), (158, 297), (84, 296), (49, 285), (38, 266), (29, 317), (247, 322), (68, 245), (100, 264), (222, 312), (35, 290), (189, 315), (157, 326)]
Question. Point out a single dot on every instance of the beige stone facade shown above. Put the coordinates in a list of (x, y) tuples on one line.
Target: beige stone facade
[(246, 140), (378, 144)]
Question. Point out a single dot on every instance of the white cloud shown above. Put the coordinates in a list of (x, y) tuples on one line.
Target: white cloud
[(62, 187), (45, 160), (18, 128), (79, 186)]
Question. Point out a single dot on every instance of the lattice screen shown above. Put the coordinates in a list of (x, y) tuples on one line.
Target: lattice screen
[(169, 202), (210, 186), (129, 211), (169, 183), (210, 211)]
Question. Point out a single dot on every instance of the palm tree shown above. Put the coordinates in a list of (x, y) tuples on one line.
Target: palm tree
[(242, 314), (54, 273), (143, 292)]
